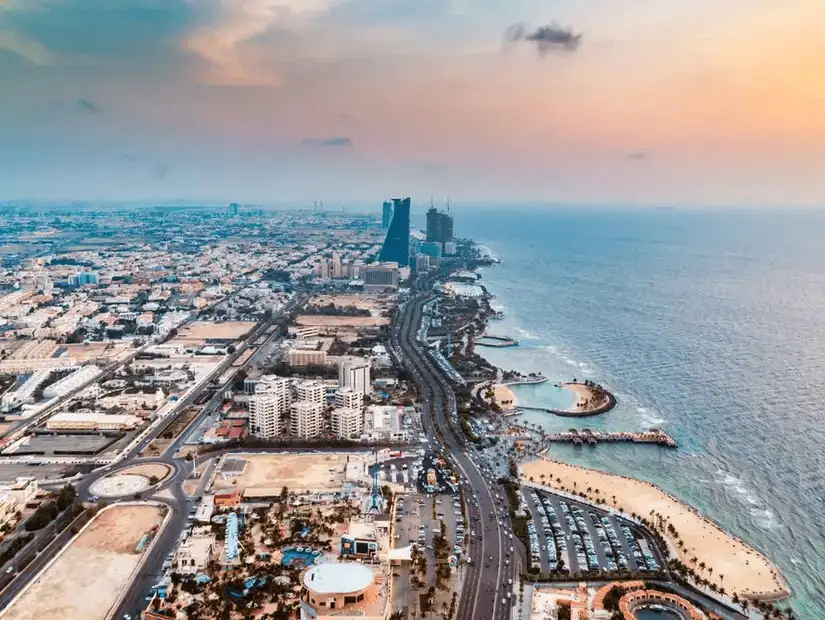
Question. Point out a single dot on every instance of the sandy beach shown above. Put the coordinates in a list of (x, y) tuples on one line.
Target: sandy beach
[(728, 561), (505, 397), (586, 398)]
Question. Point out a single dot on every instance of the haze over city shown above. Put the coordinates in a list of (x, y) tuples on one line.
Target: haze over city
[(273, 101)]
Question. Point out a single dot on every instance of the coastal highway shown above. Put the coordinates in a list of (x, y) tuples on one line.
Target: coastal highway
[(487, 579)]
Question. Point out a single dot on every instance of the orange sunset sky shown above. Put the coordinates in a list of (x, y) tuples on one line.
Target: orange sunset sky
[(680, 102)]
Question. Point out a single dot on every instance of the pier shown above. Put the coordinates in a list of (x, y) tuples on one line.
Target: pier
[(492, 340), (586, 436)]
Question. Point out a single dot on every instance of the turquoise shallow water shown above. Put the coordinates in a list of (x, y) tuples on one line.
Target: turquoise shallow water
[(708, 324)]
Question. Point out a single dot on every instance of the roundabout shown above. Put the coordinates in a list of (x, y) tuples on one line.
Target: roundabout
[(131, 480)]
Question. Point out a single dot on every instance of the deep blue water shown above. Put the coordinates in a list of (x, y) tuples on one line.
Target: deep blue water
[(708, 324)]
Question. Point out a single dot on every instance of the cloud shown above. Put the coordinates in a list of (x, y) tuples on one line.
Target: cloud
[(228, 44), (87, 105), (638, 154), (340, 142), (546, 38), (33, 51)]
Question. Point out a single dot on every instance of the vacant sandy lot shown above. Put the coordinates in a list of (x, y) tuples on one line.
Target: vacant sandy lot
[(341, 321), (87, 352), (342, 301), (85, 581), (204, 330), (299, 472), (745, 570)]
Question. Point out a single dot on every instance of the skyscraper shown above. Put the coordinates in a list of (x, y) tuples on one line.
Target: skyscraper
[(396, 246), (439, 226), (386, 215)]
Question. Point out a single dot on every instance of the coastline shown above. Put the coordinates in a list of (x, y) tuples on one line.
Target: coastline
[(747, 571), (720, 557)]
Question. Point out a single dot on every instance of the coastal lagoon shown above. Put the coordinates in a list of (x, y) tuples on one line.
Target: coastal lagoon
[(710, 325)]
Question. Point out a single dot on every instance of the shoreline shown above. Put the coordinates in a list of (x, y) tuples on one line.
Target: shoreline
[(758, 581), (721, 558)]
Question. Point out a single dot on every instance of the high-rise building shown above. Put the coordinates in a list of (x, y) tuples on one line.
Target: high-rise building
[(349, 398), (323, 269), (268, 406), (396, 246), (439, 226), (306, 419), (347, 422), (233, 209), (386, 214), (310, 391), (355, 374), (422, 262), (337, 267)]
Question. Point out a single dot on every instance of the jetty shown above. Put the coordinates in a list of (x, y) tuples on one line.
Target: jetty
[(580, 437), (493, 340)]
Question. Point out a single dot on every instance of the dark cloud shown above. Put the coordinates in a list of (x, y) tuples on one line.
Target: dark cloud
[(546, 38), (338, 142), (638, 154), (87, 105)]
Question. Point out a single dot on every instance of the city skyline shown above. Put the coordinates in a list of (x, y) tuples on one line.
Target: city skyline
[(269, 101)]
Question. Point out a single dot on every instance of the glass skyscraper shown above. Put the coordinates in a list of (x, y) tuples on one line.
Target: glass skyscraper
[(396, 246)]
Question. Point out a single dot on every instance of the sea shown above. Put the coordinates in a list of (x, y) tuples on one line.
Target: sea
[(707, 323)]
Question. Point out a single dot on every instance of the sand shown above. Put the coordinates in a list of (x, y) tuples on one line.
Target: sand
[(86, 580), (203, 330), (297, 472), (320, 320), (744, 570), (358, 301), (158, 470), (583, 393), (502, 395)]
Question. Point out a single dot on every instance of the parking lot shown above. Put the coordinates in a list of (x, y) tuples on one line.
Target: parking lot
[(570, 536)]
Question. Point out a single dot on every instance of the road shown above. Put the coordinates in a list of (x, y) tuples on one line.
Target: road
[(133, 601), (486, 579)]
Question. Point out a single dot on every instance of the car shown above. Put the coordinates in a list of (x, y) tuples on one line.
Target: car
[(10, 570)]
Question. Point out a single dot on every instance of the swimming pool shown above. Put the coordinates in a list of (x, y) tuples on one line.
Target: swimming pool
[(300, 556)]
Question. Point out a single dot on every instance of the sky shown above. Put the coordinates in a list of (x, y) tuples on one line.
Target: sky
[(553, 101)]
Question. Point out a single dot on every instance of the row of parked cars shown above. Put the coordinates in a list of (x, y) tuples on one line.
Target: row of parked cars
[(553, 532), (643, 558)]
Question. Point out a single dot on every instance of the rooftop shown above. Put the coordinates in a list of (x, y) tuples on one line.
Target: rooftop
[(338, 578)]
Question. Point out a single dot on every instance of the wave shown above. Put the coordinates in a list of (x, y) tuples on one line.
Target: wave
[(526, 334)]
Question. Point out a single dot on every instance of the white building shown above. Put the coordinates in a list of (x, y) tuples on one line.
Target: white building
[(61, 388), (307, 419), (355, 374), (306, 357), (269, 405), (310, 391), (384, 423), (349, 398), (337, 269), (25, 393), (23, 489), (347, 423), (88, 421), (193, 555)]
